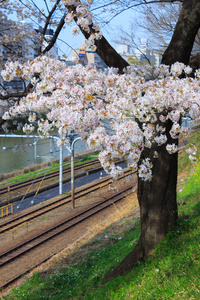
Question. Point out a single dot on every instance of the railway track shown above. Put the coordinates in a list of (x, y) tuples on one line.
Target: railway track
[(19, 185), (37, 212), (30, 245)]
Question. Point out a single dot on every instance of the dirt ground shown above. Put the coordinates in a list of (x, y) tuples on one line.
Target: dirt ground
[(71, 240)]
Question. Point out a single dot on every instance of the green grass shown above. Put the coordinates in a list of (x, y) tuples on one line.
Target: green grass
[(171, 273), (53, 167), (89, 157), (21, 177)]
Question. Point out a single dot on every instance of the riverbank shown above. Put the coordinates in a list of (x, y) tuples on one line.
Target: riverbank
[(43, 166)]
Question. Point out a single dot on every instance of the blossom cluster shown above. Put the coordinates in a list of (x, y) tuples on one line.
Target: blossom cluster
[(192, 151), (84, 20), (121, 115)]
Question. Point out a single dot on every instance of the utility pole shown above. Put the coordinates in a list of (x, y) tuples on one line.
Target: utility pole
[(71, 139)]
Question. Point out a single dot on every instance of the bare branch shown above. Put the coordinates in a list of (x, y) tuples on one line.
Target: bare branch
[(13, 95), (47, 6), (54, 38), (47, 23)]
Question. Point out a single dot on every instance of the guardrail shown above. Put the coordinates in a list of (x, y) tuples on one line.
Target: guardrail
[(6, 210)]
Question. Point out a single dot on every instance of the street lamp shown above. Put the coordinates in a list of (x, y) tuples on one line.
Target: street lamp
[(72, 142)]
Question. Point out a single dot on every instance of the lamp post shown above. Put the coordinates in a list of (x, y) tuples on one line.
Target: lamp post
[(72, 143), (61, 171)]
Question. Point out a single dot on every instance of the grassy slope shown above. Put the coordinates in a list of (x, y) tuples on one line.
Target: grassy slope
[(172, 273), (41, 172)]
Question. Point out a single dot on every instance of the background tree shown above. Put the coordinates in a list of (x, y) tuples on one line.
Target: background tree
[(160, 22)]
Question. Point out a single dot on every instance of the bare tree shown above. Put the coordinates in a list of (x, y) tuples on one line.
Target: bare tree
[(159, 21)]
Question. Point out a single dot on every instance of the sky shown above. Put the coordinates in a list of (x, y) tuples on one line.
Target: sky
[(109, 31)]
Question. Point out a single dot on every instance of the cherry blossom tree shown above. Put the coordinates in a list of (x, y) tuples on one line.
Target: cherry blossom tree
[(144, 107)]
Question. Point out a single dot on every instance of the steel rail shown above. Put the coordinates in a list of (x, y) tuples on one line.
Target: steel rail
[(55, 230), (35, 213), (19, 185)]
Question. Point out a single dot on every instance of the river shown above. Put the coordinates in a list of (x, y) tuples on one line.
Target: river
[(46, 150), (28, 154)]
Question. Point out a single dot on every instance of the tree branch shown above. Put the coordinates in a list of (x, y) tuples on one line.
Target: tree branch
[(108, 54), (13, 95), (54, 38), (47, 24)]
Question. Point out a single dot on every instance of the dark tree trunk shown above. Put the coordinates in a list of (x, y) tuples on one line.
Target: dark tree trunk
[(158, 206), (157, 200), (184, 35)]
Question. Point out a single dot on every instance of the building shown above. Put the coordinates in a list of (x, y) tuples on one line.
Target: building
[(142, 54), (87, 57), (124, 51)]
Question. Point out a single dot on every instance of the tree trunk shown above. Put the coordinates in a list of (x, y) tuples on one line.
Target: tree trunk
[(158, 206), (184, 34), (157, 199)]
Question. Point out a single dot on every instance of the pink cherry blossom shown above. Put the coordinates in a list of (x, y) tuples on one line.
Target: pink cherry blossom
[(120, 115)]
